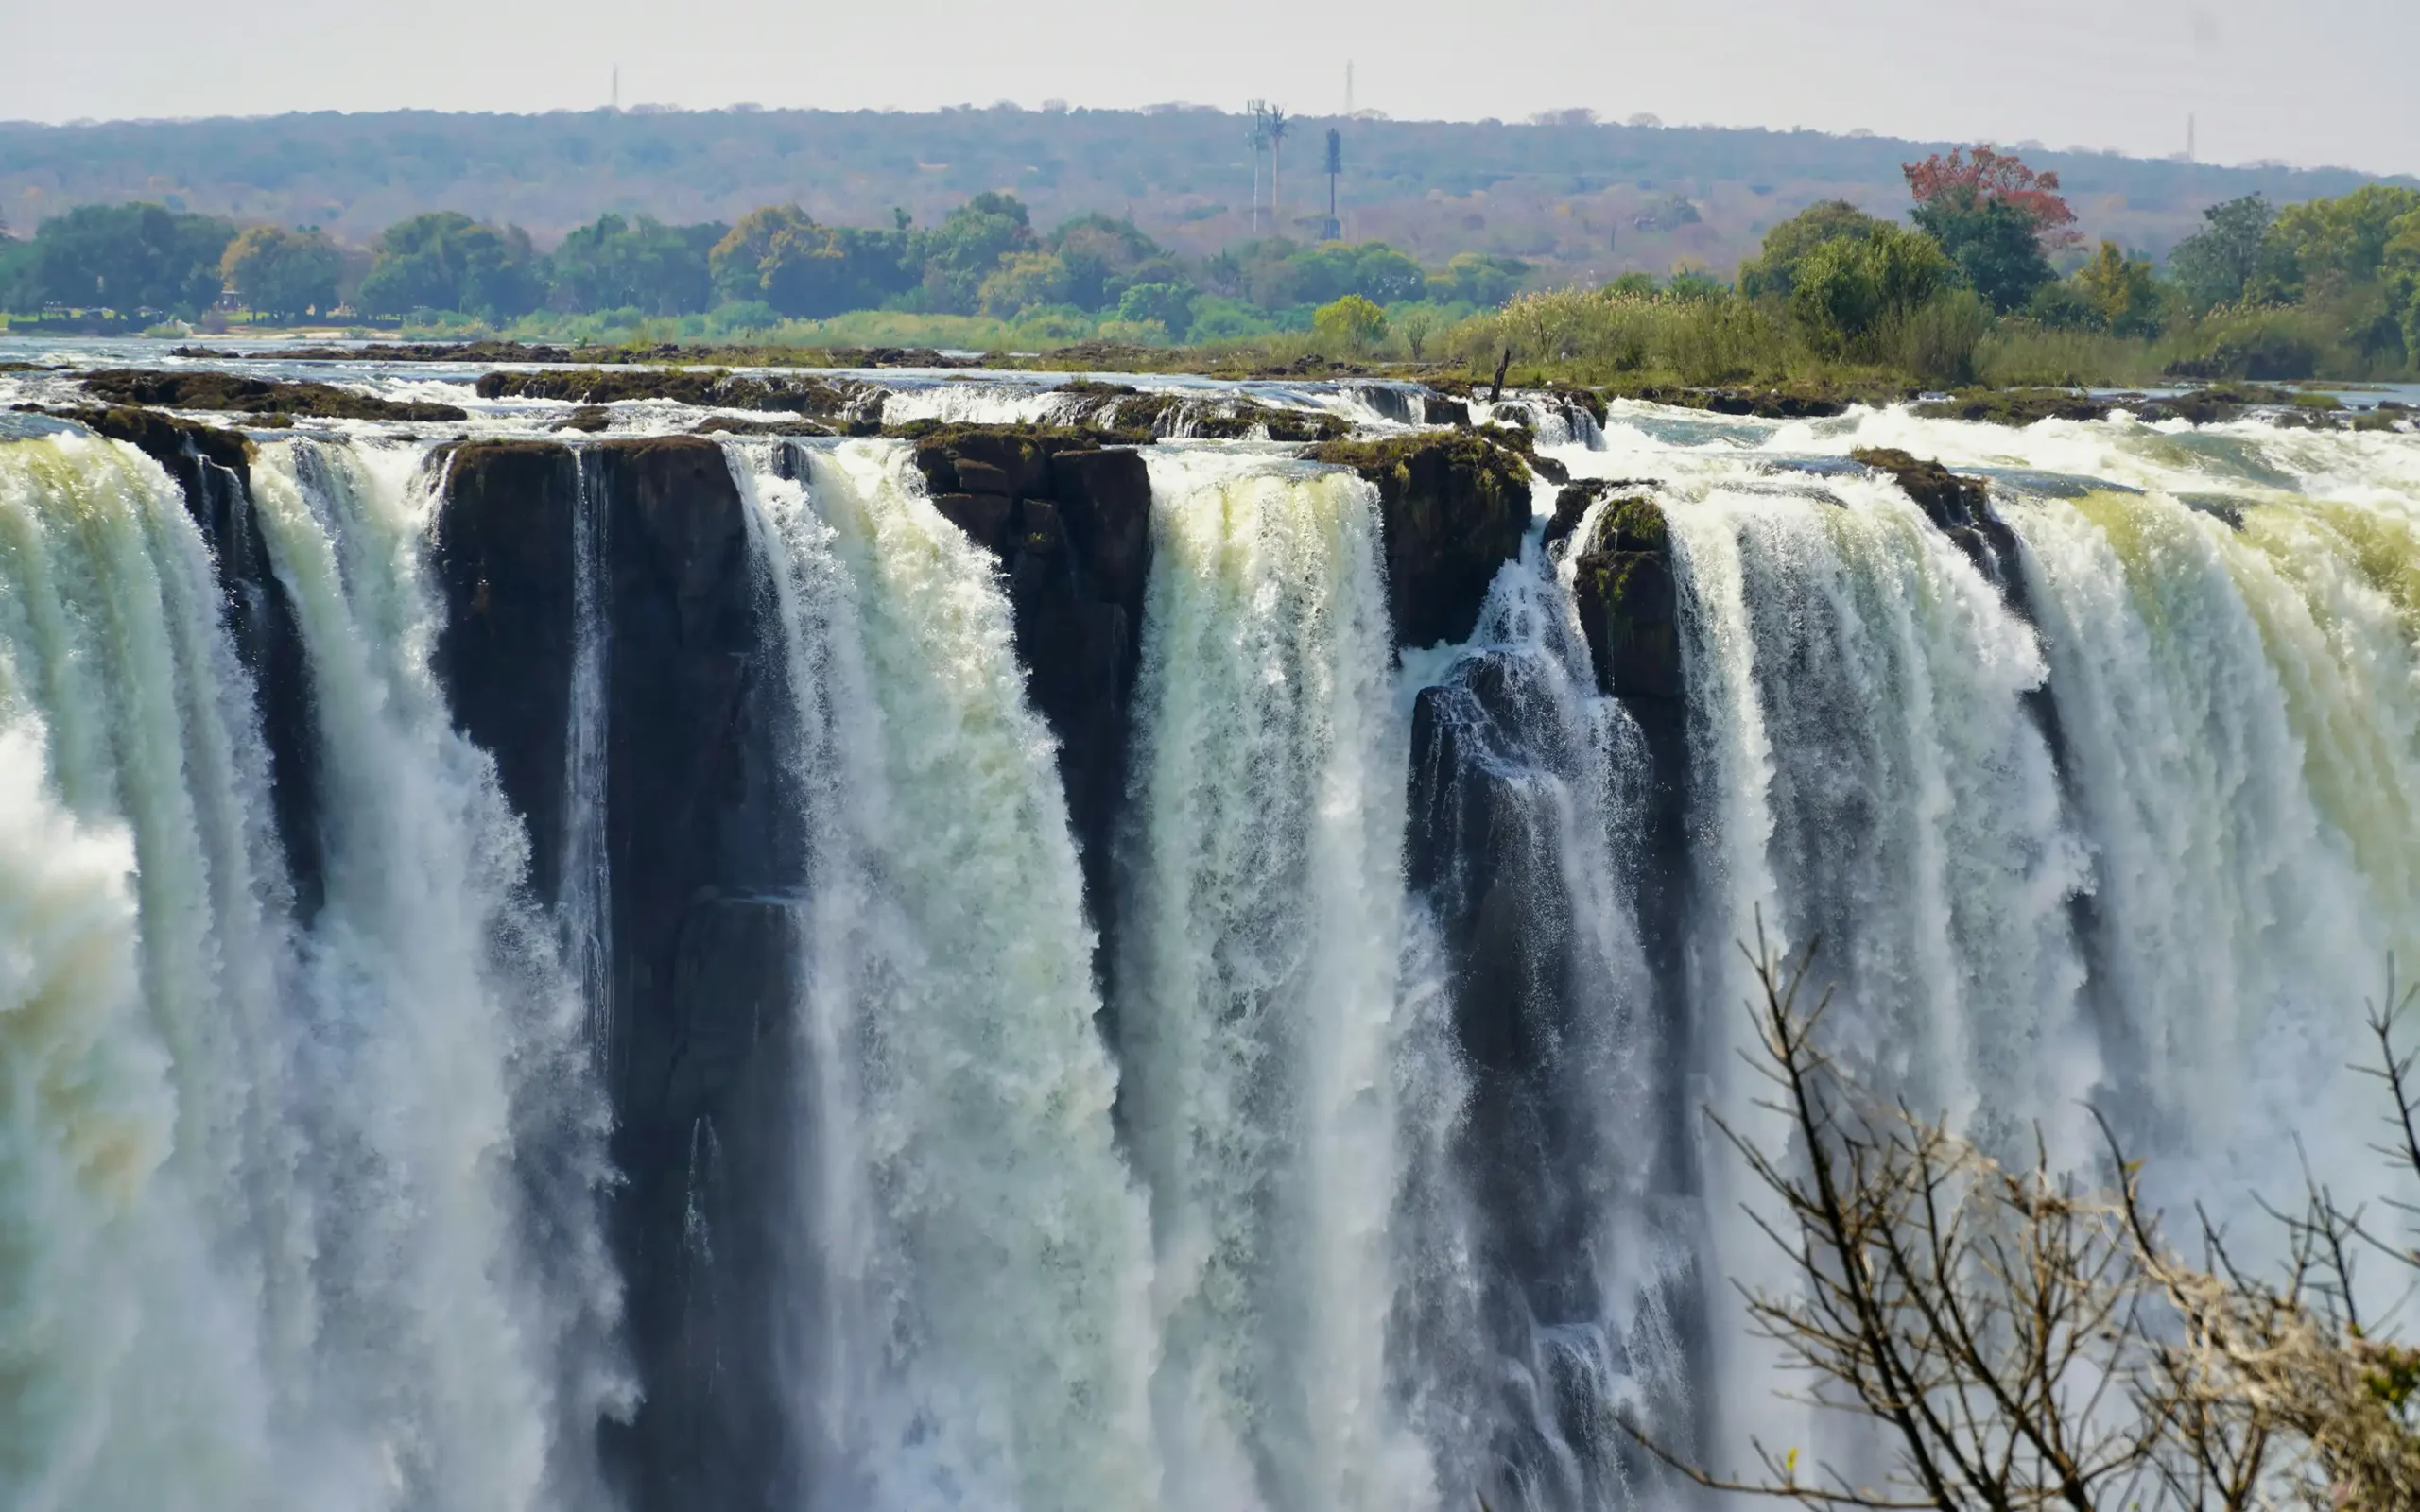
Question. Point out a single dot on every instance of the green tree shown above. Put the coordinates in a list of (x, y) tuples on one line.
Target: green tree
[(446, 260), (130, 257), (1170, 304), (1025, 281), (1773, 271), (1104, 257), (19, 289), (614, 264), (2123, 290), (281, 273), (1995, 245), (1484, 279), (1353, 322), (2401, 262), (2332, 244), (2218, 263), (1847, 291), (960, 253), (784, 257)]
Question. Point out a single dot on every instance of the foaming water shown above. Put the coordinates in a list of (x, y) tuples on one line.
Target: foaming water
[(976, 1258), (325, 1291), (1256, 994)]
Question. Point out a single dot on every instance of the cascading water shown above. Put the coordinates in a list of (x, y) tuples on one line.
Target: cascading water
[(1256, 993), (1374, 1175), (973, 1261), (1530, 806), (327, 1292), (584, 893)]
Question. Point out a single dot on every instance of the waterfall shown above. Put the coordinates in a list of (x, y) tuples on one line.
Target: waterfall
[(1532, 797), (1362, 1165), (156, 1242), (323, 1149), (975, 1261), (1256, 996), (584, 899), (2240, 716)]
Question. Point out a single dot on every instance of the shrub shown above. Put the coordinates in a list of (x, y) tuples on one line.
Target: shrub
[(1352, 322)]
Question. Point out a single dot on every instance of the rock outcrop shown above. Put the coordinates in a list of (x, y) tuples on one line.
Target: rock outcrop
[(256, 396), (1961, 506), (708, 388), (1070, 522), (1454, 506), (706, 864)]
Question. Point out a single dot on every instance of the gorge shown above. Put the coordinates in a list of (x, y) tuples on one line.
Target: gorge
[(973, 943)]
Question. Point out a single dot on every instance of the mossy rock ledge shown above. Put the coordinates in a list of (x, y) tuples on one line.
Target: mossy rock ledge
[(1624, 591), (1454, 506)]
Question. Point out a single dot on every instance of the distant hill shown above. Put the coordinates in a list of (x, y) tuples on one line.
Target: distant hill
[(1585, 200)]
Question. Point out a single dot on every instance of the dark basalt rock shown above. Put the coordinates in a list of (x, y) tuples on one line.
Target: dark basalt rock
[(1961, 506), (733, 425), (1572, 502), (395, 351), (588, 417), (1454, 505), (705, 860), (1792, 403), (1628, 606), (259, 396), (213, 469), (1071, 524), (707, 387)]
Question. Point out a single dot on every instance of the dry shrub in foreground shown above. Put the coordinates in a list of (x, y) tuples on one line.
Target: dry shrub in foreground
[(2025, 1340)]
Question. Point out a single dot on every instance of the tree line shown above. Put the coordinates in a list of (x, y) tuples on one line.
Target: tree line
[(775, 264), (1990, 279)]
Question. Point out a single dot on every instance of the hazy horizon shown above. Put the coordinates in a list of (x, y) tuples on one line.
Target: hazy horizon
[(2330, 88)]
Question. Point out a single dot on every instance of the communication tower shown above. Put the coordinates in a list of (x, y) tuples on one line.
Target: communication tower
[(1334, 231)]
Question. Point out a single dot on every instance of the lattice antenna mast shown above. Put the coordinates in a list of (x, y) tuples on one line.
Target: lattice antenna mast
[(1335, 171), (1259, 143), (1276, 162)]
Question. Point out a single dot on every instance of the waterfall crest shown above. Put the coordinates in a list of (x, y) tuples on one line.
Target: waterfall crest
[(1255, 996), (982, 1334)]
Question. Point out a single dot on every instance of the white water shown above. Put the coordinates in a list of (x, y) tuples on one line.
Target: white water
[(2235, 811), (310, 1201), (977, 1261), (323, 1293), (584, 895), (1256, 999)]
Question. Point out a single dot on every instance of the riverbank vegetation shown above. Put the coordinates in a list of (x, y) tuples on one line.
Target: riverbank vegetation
[(1990, 282)]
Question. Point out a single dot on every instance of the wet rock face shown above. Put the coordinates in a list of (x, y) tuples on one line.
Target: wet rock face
[(1071, 524), (705, 866), (1960, 507), (1622, 584), (1453, 507)]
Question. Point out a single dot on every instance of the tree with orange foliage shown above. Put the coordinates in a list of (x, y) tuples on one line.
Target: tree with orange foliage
[(1989, 176)]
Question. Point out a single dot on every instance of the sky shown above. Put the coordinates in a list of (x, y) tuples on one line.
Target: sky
[(2312, 82)]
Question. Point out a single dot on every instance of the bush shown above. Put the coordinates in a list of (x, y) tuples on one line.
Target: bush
[(2266, 344), (1848, 290), (1353, 323)]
